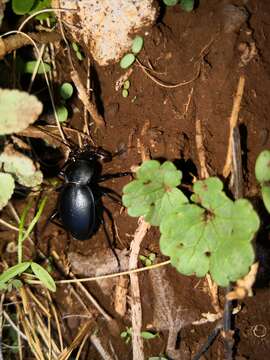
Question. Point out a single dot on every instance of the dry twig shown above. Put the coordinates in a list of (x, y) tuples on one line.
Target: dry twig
[(98, 119), (136, 309), (233, 123)]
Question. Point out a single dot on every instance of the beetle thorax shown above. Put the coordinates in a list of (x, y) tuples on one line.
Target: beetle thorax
[(79, 172)]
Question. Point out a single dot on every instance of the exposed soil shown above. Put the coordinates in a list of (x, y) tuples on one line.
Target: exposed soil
[(207, 49)]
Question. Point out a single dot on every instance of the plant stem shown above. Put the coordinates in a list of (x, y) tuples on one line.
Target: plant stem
[(209, 341)]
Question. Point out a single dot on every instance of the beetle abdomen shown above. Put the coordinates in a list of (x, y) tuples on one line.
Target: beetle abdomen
[(77, 211)]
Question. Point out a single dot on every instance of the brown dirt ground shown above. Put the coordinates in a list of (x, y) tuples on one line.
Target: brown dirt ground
[(163, 119)]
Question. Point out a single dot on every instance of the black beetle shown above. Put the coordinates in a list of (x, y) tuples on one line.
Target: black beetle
[(80, 195)]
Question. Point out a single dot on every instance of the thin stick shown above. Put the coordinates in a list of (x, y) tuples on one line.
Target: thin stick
[(109, 276), (136, 309), (233, 123), (87, 293), (85, 111), (98, 119), (15, 327), (201, 150), (209, 341), (38, 61)]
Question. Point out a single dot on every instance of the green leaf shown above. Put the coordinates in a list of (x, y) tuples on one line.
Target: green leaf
[(7, 186), (187, 5), (22, 7), (262, 166), (66, 90), (29, 67), (137, 44), (40, 5), (126, 85), (18, 110), (170, 2), (125, 93), (13, 271), (148, 335), (43, 276), (62, 113), (214, 236), (266, 197), (79, 55), (154, 194), (75, 46), (36, 218), (127, 61), (231, 260)]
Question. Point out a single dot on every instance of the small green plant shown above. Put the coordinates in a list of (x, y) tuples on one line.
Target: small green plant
[(129, 58), (66, 92), (262, 172), (78, 51), (8, 278), (187, 5), (206, 233), (127, 335), (148, 260), (125, 88)]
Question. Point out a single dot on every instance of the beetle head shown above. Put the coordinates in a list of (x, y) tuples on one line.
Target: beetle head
[(79, 172)]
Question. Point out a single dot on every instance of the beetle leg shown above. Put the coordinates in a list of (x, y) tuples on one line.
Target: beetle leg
[(111, 243), (113, 176), (113, 195)]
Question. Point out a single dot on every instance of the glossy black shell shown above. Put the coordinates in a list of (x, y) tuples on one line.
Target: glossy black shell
[(77, 210)]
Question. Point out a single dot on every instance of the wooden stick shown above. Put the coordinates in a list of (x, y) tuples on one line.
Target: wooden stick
[(233, 123), (98, 119), (136, 309)]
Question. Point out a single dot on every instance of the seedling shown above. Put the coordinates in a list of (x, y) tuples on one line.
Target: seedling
[(66, 92), (126, 335), (125, 88), (77, 50), (148, 260), (186, 5), (9, 277), (129, 58), (206, 233), (262, 172), (147, 335)]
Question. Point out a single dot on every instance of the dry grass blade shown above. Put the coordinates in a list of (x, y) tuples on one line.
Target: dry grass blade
[(85, 330)]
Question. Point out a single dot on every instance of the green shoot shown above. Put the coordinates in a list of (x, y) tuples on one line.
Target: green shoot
[(8, 277), (126, 335), (128, 59), (148, 260)]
